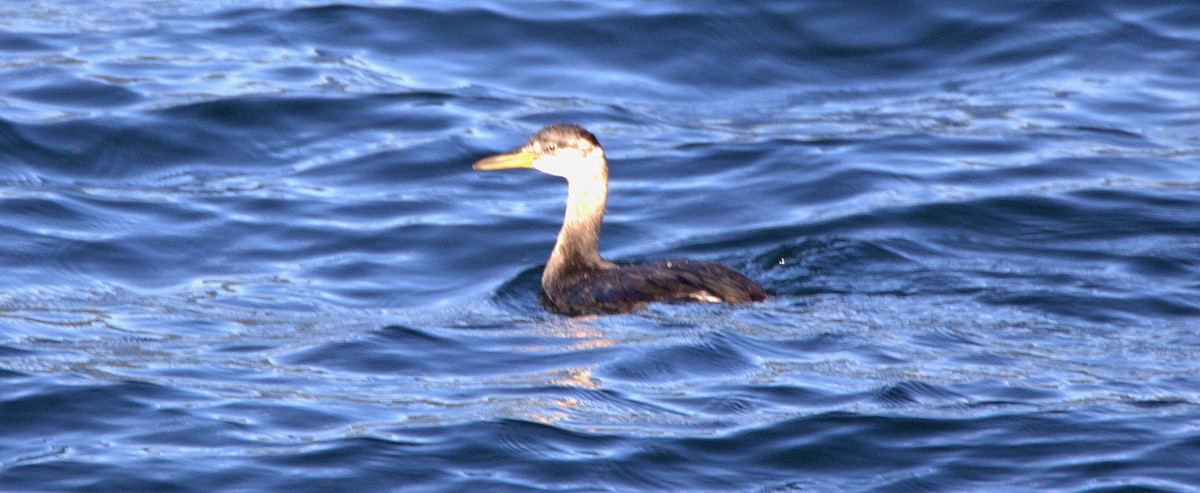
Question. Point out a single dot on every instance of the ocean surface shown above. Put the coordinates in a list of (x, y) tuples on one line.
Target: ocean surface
[(243, 249)]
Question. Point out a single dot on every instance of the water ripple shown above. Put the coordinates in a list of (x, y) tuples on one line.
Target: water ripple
[(244, 249)]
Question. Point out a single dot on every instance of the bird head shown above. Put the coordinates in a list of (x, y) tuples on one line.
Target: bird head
[(562, 149)]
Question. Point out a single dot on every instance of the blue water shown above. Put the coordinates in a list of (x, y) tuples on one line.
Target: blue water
[(243, 248)]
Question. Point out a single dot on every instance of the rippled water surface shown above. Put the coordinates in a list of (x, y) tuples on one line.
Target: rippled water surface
[(243, 248)]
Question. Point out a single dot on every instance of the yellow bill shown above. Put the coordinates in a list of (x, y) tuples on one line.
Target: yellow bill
[(506, 161)]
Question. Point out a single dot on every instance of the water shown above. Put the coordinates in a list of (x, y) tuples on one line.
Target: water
[(243, 248)]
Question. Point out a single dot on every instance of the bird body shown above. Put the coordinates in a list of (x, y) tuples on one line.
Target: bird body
[(576, 278), (622, 287)]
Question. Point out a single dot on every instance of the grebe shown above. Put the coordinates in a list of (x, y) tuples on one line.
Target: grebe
[(576, 279)]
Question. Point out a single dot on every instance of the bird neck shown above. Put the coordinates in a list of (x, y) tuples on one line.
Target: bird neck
[(577, 248)]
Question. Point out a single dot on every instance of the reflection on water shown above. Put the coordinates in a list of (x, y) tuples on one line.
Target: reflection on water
[(243, 248)]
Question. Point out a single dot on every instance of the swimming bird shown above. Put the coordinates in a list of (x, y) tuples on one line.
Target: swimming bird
[(576, 279)]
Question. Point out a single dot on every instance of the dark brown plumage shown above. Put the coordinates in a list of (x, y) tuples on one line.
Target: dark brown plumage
[(576, 279)]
